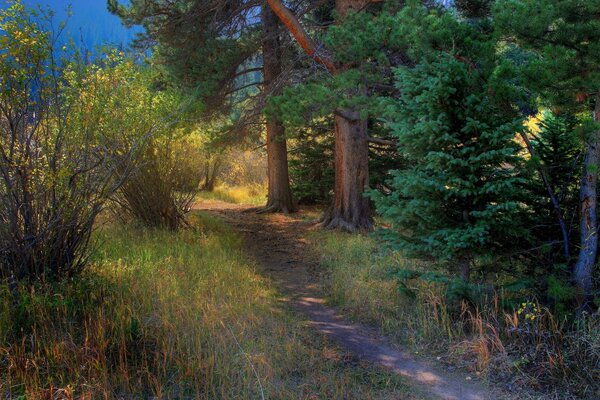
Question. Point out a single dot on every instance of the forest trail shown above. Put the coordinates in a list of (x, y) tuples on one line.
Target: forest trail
[(278, 244)]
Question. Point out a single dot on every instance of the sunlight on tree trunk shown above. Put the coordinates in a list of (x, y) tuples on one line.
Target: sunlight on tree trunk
[(588, 223), (350, 209), (279, 195)]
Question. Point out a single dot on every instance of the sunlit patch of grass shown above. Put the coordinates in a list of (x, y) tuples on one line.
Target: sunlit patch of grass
[(359, 282), (171, 315), (255, 195)]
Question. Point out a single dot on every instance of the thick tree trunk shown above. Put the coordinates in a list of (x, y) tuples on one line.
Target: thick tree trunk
[(588, 222), (350, 210), (279, 195)]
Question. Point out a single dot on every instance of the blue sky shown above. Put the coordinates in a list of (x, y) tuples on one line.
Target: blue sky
[(91, 24)]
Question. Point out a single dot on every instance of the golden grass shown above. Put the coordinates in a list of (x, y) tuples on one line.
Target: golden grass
[(171, 316), (255, 195), (360, 284)]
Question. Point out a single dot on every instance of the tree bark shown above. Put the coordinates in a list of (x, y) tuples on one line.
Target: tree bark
[(465, 267), (297, 31), (279, 194), (588, 222), (350, 210)]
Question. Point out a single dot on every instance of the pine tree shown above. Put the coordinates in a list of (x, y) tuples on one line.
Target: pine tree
[(558, 147), (456, 200)]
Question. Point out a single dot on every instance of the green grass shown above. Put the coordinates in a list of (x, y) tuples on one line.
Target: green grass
[(360, 284), (172, 316), (255, 195), (558, 360)]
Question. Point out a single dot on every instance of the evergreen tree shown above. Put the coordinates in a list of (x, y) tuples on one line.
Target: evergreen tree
[(558, 148), (312, 163), (456, 200), (557, 151)]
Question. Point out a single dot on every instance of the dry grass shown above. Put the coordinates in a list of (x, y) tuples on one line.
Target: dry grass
[(556, 360), (251, 194), (171, 316)]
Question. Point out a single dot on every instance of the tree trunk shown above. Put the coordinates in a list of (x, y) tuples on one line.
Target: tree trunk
[(588, 223), (350, 210), (279, 195), (464, 264)]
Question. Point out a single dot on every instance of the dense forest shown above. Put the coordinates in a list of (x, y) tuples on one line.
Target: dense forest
[(300, 199)]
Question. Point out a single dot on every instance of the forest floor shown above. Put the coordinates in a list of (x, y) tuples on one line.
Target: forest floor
[(280, 246)]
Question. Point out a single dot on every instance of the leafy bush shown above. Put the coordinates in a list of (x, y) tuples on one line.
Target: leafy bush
[(164, 174), (57, 166)]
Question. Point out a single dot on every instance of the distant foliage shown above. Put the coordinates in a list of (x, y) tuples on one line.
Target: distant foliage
[(311, 164)]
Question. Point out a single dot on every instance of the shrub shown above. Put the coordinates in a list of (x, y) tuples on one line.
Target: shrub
[(57, 169), (163, 187), (164, 174)]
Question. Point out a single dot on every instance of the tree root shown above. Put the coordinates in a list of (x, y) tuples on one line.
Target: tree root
[(275, 207), (336, 222)]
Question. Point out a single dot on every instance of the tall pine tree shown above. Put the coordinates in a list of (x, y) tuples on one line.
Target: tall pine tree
[(455, 201)]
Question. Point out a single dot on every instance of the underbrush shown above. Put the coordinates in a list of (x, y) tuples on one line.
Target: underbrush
[(166, 315), (252, 194), (526, 347)]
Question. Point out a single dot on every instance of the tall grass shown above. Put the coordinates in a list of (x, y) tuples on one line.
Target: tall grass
[(250, 194), (170, 316), (527, 347)]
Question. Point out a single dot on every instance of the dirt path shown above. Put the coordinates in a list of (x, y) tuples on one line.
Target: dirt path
[(278, 244)]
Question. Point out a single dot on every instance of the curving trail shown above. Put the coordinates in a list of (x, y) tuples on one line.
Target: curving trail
[(276, 241)]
